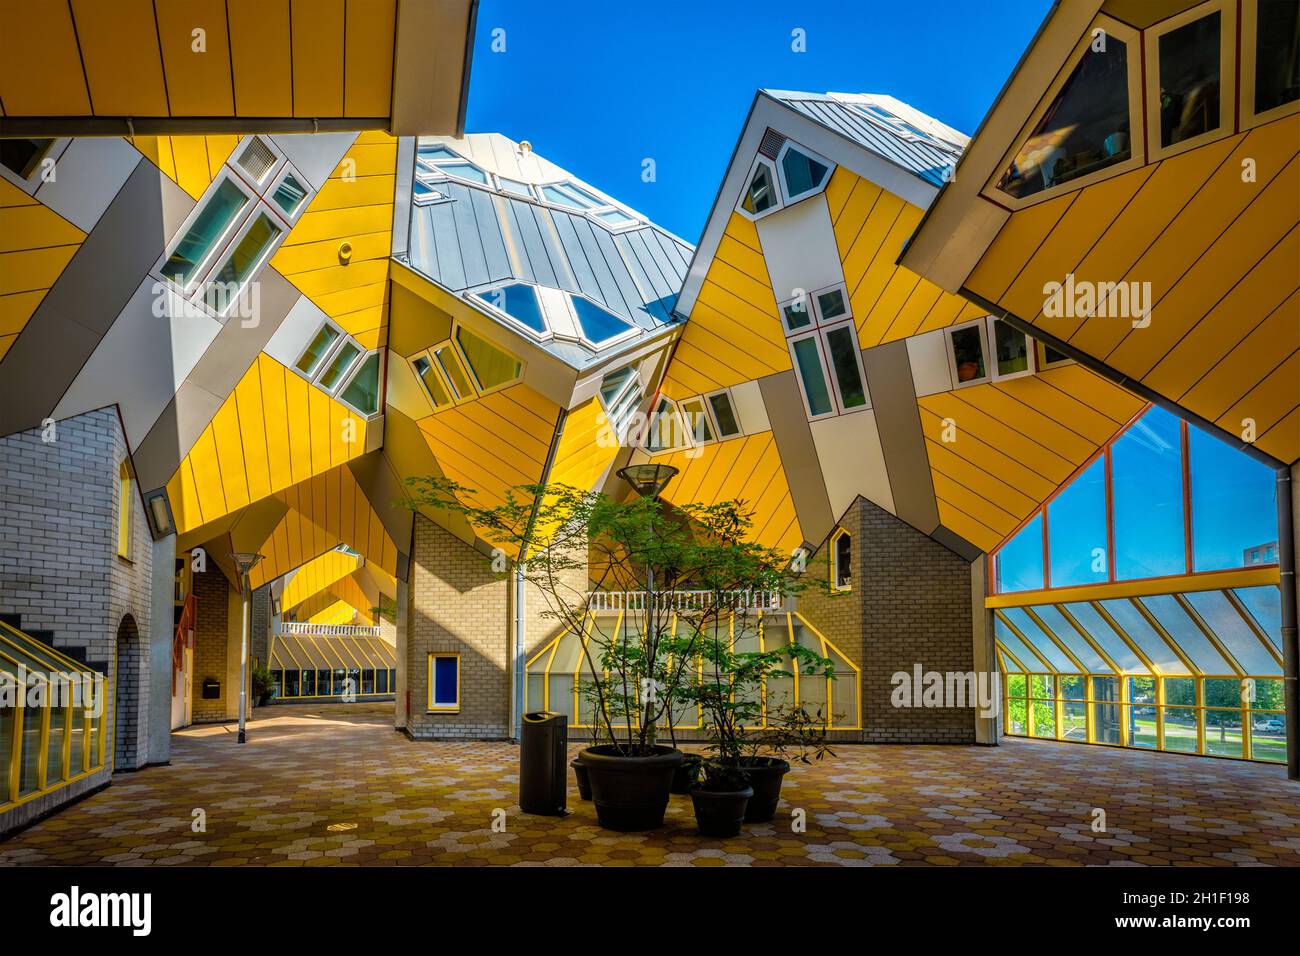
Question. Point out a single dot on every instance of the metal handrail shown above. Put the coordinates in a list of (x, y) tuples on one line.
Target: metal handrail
[(306, 628)]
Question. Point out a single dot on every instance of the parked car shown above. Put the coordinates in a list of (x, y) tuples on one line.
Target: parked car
[(1270, 725)]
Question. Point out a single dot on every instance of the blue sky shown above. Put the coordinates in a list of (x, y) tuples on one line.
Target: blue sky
[(597, 87)]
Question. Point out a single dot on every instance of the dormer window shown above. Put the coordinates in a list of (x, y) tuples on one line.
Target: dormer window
[(546, 313), (1088, 125), (436, 159), (1190, 77), (801, 173), (1270, 60), (518, 301), (760, 195), (570, 195), (841, 560)]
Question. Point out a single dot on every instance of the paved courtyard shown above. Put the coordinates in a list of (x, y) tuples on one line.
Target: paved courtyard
[(309, 769)]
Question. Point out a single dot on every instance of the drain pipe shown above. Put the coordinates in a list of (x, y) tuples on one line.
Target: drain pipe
[(1290, 648), (520, 643)]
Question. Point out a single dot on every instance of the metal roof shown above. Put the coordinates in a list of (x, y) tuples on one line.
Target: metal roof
[(888, 127), (481, 236)]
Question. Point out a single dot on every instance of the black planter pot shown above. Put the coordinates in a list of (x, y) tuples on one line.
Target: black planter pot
[(630, 793), (580, 774), (720, 813), (765, 775), (687, 772)]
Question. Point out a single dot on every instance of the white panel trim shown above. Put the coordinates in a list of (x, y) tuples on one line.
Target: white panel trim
[(928, 356)]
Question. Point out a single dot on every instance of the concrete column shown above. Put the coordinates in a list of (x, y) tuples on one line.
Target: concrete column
[(983, 653), (162, 598), (402, 630), (234, 624)]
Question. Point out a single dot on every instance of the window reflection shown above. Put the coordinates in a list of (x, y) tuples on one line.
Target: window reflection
[(1189, 80)]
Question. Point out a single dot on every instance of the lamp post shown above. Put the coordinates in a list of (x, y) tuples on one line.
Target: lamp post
[(648, 481), (244, 562)]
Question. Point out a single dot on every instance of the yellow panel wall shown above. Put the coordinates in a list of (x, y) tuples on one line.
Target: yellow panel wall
[(317, 575), (36, 244)]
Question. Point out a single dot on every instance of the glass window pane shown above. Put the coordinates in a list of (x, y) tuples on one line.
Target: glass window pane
[(1072, 687), (1226, 692), (797, 315), (1013, 645), (1265, 606), (968, 353), (289, 194), (465, 171), (1234, 506), (1277, 59), (437, 393), (248, 252), (1223, 733), (724, 414), (760, 196), (1233, 632), (1042, 686), (451, 368), (1050, 615), (1044, 714), (1180, 729), (1084, 130), (200, 240), (309, 683), (1147, 471), (1264, 694), (697, 421), (518, 301), (1189, 80), (362, 392), (1191, 640), (22, 156), (339, 365), (1180, 691), (322, 682), (615, 217), (831, 305), (1144, 636), (31, 752), (598, 325), (445, 681), (843, 346), (77, 746), (436, 152), (1106, 716), (843, 561), (490, 366), (1044, 645), (1011, 347), (1017, 718), (317, 350), (1074, 721), (1268, 737), (802, 172), (1105, 637), (1076, 529), (1020, 561), (563, 197), (1017, 686), (292, 683), (808, 361)]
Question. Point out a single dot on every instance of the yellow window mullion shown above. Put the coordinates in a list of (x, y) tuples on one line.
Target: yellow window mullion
[(42, 757)]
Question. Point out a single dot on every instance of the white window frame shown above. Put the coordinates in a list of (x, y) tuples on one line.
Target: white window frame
[(355, 369), (581, 336), (469, 366), (1132, 40), (328, 353), (788, 199), (259, 209), (692, 435), (271, 174), (219, 247), (527, 193), (619, 411), (31, 182), (1227, 10), (823, 332), (456, 398), (287, 170), (779, 190), (983, 327), (991, 339), (1041, 363), (593, 205), (1247, 56), (848, 304), (831, 387), (347, 369), (676, 414), (476, 296), (812, 306), (439, 197), (731, 402), (835, 560)]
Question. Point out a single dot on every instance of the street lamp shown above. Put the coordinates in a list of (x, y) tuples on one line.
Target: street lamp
[(648, 480), (244, 562)]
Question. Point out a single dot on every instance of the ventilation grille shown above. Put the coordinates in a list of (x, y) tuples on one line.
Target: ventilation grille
[(257, 159), (772, 143)]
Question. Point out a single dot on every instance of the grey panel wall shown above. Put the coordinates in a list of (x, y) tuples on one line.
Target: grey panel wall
[(794, 441)]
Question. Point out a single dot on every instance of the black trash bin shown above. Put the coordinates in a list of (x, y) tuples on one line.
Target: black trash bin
[(543, 747)]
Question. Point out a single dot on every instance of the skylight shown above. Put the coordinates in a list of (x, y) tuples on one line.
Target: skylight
[(572, 196), (519, 302), (598, 325)]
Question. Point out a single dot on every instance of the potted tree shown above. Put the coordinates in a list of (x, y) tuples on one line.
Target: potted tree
[(660, 578), (733, 695)]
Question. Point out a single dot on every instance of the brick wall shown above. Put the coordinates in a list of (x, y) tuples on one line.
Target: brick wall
[(457, 604), (211, 636), (910, 603), (59, 565)]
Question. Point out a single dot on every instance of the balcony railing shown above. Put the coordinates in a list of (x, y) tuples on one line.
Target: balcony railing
[(306, 629), (604, 602)]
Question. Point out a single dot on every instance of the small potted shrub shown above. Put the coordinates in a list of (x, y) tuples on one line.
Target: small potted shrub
[(263, 684), (791, 732), (720, 798)]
